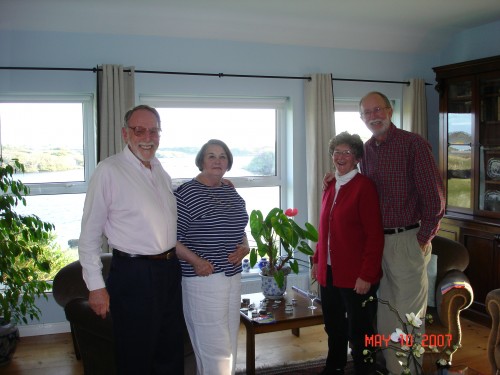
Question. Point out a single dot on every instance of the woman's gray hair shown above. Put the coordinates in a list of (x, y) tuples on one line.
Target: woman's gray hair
[(352, 140), (201, 154)]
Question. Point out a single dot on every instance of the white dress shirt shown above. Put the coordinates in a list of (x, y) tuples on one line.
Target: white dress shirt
[(133, 206)]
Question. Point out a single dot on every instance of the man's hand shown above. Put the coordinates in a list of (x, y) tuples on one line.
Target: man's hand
[(225, 181), (327, 179), (99, 302), (426, 247)]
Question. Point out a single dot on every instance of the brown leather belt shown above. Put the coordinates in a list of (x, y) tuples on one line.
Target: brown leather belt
[(401, 229), (167, 255)]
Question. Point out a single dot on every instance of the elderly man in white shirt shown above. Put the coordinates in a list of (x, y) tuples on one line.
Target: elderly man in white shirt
[(130, 200)]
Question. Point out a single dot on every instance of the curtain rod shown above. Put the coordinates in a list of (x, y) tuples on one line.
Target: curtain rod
[(220, 75)]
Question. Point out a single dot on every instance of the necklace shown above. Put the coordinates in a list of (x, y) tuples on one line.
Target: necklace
[(219, 201)]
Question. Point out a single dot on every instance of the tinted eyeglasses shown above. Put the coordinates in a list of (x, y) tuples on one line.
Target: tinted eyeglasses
[(374, 111), (139, 131)]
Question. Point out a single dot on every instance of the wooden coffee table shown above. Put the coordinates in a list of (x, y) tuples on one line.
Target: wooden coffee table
[(300, 317)]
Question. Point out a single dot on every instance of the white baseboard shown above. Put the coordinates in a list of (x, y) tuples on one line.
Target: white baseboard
[(43, 329)]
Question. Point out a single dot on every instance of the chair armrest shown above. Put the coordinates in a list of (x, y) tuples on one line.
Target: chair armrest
[(450, 302), (493, 308)]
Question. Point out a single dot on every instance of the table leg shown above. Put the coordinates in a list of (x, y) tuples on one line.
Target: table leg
[(296, 331), (250, 370)]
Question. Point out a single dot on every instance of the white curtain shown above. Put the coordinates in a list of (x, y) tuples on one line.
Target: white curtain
[(116, 94), (415, 107), (320, 128)]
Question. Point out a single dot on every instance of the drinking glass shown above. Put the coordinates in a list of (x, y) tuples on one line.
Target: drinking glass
[(312, 295)]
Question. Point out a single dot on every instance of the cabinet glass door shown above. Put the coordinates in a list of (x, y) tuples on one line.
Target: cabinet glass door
[(459, 120), (489, 139)]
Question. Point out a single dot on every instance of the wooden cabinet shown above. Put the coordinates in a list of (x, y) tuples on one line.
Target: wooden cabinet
[(469, 160)]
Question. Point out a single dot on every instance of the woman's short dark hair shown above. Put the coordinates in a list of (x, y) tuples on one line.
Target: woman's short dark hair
[(352, 140), (131, 111), (201, 154)]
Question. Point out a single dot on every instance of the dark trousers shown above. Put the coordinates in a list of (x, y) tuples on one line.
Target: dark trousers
[(146, 307), (346, 320)]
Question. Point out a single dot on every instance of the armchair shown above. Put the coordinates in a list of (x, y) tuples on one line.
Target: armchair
[(453, 294), (493, 307), (93, 336)]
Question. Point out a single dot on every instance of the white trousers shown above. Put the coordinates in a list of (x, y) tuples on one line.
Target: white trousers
[(211, 309)]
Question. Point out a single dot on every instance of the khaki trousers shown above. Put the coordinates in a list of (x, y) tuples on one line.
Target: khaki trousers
[(404, 285)]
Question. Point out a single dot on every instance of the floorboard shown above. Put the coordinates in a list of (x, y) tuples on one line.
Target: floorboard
[(54, 355)]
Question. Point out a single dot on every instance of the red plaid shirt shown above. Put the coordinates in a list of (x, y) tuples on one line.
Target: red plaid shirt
[(409, 185)]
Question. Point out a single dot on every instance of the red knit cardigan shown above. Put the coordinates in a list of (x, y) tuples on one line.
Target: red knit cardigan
[(354, 225)]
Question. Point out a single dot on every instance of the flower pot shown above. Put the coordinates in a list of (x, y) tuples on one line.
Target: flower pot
[(9, 336), (270, 288)]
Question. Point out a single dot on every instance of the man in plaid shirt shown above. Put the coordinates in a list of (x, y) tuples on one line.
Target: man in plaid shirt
[(412, 204)]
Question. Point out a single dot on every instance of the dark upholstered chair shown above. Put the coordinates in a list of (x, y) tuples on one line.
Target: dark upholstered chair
[(92, 335), (493, 307), (453, 259)]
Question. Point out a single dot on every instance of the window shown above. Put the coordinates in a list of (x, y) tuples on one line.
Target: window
[(50, 136), (251, 128)]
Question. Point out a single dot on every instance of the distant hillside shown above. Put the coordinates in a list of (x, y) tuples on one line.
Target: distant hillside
[(460, 138)]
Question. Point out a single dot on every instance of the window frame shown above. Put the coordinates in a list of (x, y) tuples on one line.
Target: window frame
[(278, 103), (89, 139)]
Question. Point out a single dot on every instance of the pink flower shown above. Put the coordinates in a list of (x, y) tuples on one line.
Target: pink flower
[(291, 212)]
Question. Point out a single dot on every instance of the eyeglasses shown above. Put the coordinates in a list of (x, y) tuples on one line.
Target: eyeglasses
[(344, 153), (374, 111), (139, 131)]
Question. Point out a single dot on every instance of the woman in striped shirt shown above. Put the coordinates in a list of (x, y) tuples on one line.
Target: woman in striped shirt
[(211, 245)]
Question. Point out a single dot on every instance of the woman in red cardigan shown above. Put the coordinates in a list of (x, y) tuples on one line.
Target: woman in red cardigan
[(347, 261)]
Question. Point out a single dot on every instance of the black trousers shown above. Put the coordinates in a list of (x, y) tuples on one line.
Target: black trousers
[(346, 320), (146, 308)]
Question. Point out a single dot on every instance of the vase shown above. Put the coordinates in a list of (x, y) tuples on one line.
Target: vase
[(9, 336), (262, 263), (270, 288), (245, 265)]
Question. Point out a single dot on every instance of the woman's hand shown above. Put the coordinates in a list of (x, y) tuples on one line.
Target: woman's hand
[(314, 271), (203, 267), (362, 286), (237, 256)]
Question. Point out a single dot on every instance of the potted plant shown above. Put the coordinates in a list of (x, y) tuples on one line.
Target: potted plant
[(278, 238), (22, 239)]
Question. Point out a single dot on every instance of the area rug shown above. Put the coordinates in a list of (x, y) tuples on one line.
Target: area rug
[(299, 368)]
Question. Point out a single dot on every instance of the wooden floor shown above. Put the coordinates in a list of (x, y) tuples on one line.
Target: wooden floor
[(53, 354)]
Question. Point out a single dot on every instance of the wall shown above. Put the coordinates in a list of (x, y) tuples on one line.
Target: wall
[(471, 44), (50, 49)]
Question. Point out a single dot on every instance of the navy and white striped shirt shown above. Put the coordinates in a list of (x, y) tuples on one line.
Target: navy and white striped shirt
[(211, 222)]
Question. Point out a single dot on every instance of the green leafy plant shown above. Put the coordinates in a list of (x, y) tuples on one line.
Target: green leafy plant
[(278, 237), (22, 241)]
